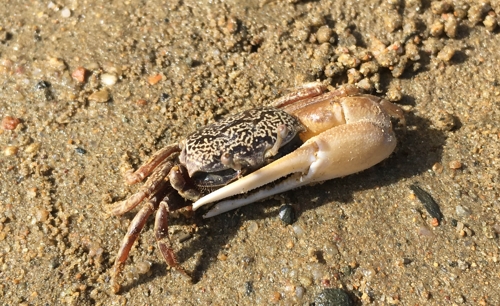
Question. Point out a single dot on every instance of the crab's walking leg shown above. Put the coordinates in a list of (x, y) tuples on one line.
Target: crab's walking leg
[(154, 183), (128, 241), (307, 90), (161, 230), (148, 167)]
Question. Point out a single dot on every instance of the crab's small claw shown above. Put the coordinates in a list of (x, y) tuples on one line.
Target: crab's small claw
[(364, 139)]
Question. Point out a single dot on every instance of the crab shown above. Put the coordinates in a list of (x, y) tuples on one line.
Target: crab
[(310, 135)]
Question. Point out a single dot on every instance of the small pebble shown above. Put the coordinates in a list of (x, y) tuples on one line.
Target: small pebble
[(450, 26), (429, 204), (301, 34), (353, 76), (444, 120), (332, 297), (496, 228), (252, 227), (298, 230), (57, 64), (455, 164), (334, 69), (306, 281), (348, 60), (11, 150), (164, 97), (437, 168), (365, 84), (440, 7), (394, 94), (446, 53), (299, 291), (185, 237), (41, 214), (80, 151), (287, 214), (477, 11), (490, 22), (4, 35), (369, 68), (79, 74), (32, 148), (393, 20), (154, 79), (248, 288), (143, 267), (65, 13), (100, 96), (412, 51), (141, 102), (9, 123), (317, 20), (108, 79), (324, 34), (276, 297), (31, 192), (437, 28), (42, 85)]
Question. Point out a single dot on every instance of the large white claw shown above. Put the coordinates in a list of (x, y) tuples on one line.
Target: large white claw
[(337, 152)]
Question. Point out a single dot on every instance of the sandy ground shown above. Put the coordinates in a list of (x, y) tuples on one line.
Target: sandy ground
[(155, 72)]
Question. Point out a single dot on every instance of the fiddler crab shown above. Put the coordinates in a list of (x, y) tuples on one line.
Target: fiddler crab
[(307, 136)]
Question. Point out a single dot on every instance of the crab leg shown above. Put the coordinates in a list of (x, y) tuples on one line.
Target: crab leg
[(130, 238), (154, 183), (145, 170), (363, 140), (161, 230)]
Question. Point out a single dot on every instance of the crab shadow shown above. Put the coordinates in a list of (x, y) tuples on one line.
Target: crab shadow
[(419, 148)]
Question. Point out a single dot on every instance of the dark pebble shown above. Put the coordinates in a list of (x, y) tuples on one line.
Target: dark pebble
[(80, 150), (332, 297), (347, 271), (164, 97), (287, 214), (430, 205), (248, 288), (42, 85)]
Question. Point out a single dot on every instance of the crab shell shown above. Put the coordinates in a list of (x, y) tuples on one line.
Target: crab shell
[(221, 152)]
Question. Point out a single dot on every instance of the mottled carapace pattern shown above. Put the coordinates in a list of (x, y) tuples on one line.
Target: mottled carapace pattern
[(246, 137)]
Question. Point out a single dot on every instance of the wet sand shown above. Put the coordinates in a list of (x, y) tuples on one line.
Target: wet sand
[(154, 73)]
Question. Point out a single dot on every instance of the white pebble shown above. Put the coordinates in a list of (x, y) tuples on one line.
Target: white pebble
[(253, 227), (298, 230), (65, 12), (109, 79), (299, 292)]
